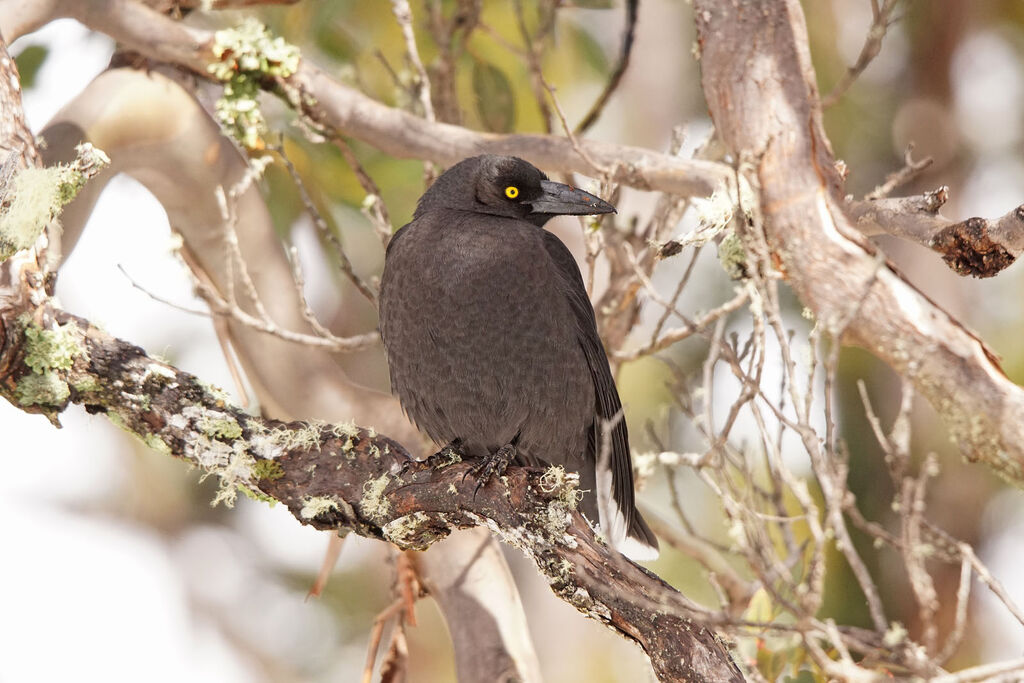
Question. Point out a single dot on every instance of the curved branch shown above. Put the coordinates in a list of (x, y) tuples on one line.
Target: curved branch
[(349, 112), (347, 477), (759, 85)]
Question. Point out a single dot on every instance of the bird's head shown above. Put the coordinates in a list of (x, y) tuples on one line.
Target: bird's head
[(508, 186)]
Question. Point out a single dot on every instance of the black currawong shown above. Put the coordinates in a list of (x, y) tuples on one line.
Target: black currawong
[(491, 339)]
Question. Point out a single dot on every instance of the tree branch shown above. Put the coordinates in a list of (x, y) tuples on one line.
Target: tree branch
[(347, 477), (759, 85), (345, 111), (981, 247)]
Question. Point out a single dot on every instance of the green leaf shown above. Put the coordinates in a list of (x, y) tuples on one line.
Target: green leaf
[(594, 4), (495, 101), (29, 61)]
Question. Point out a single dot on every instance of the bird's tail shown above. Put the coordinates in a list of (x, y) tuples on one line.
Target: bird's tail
[(622, 523), (640, 543)]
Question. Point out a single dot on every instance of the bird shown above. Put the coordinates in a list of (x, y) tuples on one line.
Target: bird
[(492, 342)]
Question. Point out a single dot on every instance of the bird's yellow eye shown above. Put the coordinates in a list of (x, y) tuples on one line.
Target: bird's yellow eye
[(511, 191)]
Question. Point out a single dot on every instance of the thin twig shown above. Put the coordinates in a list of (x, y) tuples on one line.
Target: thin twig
[(324, 229), (403, 15), (632, 7), (910, 170), (868, 52)]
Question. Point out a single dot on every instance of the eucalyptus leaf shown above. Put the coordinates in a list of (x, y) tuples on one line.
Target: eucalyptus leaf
[(495, 99), (29, 62)]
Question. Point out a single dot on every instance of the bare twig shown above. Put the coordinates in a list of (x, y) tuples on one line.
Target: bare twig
[(532, 46), (323, 228), (904, 175), (872, 46), (628, 33), (403, 15)]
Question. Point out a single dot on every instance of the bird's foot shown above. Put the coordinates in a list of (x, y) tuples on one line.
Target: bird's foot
[(490, 465), (448, 455)]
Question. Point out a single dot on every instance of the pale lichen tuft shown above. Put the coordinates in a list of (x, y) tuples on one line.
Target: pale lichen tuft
[(373, 504), (314, 506), (246, 55), (36, 196), (47, 389)]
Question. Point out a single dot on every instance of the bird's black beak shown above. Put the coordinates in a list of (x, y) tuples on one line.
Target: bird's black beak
[(559, 199)]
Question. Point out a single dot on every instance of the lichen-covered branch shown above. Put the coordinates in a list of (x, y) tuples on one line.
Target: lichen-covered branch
[(349, 477)]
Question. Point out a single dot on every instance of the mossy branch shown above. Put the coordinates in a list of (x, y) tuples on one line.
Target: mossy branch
[(348, 478)]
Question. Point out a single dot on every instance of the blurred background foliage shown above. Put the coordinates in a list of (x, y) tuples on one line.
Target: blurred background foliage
[(949, 79)]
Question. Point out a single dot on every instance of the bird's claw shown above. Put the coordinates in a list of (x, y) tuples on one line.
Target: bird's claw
[(490, 466)]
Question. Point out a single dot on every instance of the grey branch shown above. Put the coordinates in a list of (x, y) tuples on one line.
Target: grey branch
[(345, 111), (981, 247)]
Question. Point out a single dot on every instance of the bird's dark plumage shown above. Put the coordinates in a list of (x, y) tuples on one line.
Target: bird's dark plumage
[(491, 338)]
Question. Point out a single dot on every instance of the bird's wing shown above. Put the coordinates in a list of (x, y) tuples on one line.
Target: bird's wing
[(609, 407)]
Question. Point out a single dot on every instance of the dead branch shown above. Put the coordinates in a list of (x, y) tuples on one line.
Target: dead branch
[(981, 247), (882, 18)]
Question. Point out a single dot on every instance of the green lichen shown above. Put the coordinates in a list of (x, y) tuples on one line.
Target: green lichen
[(314, 506), (220, 427), (373, 504), (86, 385), (257, 495), (47, 389), (733, 256), (267, 469), (54, 349), (247, 54), (118, 421), (36, 196), (156, 443)]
